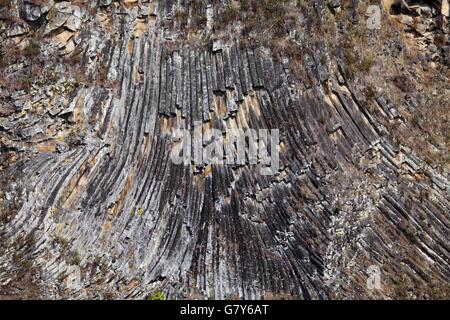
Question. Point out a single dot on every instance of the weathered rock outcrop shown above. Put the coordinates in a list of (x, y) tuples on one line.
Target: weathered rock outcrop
[(92, 206)]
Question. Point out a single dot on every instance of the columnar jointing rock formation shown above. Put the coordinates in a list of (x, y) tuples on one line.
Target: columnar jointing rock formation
[(113, 216)]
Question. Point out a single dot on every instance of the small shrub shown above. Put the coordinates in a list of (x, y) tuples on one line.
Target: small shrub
[(26, 264), (351, 61), (182, 17), (109, 295), (62, 242), (32, 50), (5, 3), (301, 3), (366, 64), (53, 212), (30, 240), (5, 216), (401, 290), (439, 291), (229, 15), (26, 83), (337, 210), (371, 92), (74, 258), (69, 86), (411, 234), (159, 295), (439, 40), (74, 59)]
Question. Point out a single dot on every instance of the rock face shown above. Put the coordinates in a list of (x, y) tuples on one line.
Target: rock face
[(93, 207)]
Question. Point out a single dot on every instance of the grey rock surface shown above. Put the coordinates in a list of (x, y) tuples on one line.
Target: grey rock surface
[(92, 206)]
